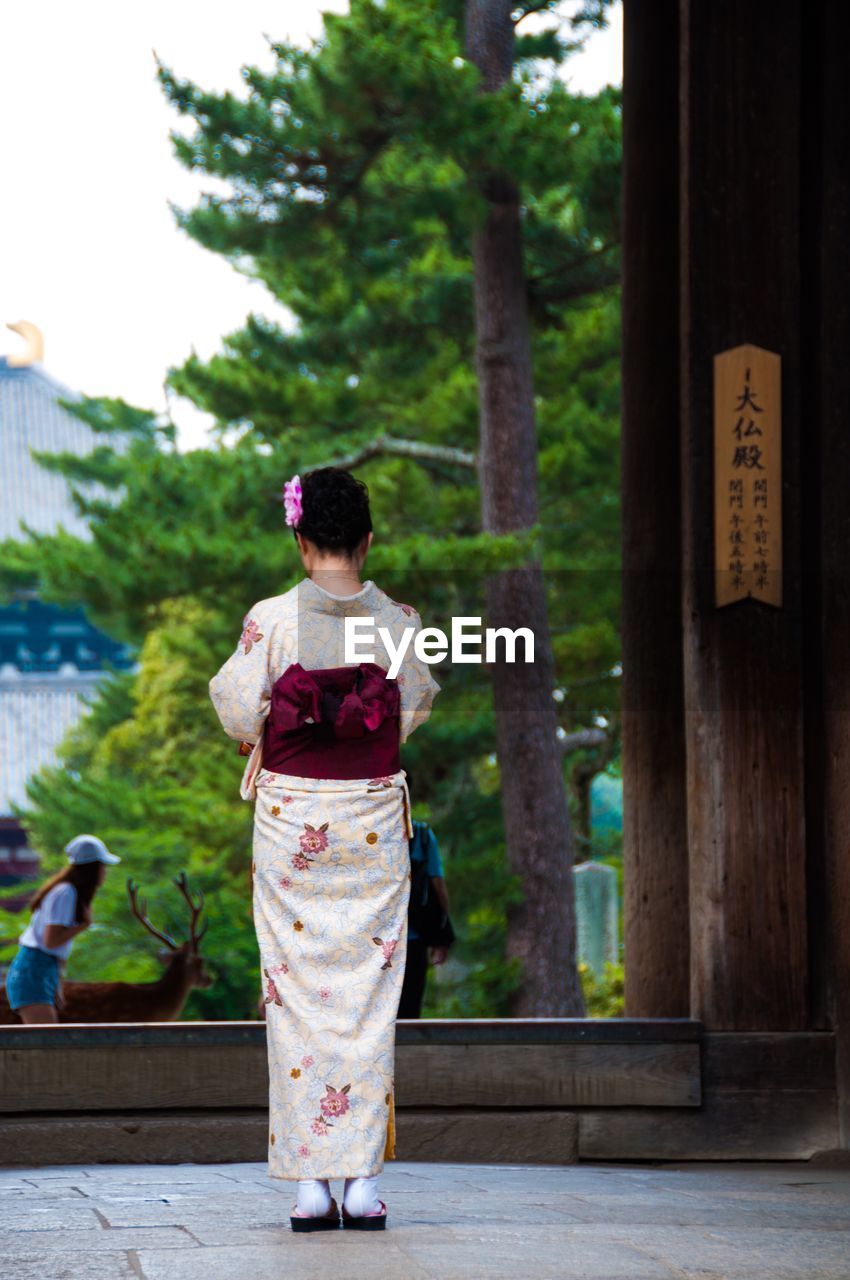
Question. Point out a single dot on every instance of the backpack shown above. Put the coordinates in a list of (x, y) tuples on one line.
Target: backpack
[(425, 912)]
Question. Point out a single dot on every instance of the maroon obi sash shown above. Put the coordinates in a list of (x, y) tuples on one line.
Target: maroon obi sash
[(338, 722)]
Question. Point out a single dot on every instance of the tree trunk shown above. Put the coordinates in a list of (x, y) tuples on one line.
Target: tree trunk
[(541, 929), (582, 779)]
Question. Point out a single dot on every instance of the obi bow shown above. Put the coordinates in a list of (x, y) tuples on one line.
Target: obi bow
[(298, 699)]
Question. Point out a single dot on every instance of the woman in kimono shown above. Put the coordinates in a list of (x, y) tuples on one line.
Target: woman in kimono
[(331, 870)]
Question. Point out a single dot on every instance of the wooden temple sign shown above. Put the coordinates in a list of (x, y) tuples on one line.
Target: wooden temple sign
[(747, 475)]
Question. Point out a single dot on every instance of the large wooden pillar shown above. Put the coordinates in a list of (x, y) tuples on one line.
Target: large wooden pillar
[(652, 708), (740, 140), (736, 720)]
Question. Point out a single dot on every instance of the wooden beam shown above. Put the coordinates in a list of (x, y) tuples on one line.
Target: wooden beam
[(118, 1077), (202, 1137), (130, 1137), (768, 1096), (488, 1137), (109, 1068), (478, 1031), (761, 1125), (612, 1075)]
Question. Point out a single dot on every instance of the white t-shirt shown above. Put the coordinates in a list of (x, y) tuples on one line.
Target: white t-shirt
[(59, 906)]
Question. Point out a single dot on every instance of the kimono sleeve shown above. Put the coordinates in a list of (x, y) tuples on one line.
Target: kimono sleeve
[(417, 686), (241, 690)]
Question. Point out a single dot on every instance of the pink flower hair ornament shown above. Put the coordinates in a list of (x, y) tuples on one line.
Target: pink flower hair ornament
[(292, 501)]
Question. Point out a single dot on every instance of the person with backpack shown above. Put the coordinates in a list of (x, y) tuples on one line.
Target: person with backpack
[(429, 930)]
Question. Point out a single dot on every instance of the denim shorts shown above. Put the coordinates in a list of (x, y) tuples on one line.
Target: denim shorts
[(33, 978)]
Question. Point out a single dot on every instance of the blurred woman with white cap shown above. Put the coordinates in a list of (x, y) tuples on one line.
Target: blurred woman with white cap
[(61, 909)]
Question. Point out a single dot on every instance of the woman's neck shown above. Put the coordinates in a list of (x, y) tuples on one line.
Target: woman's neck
[(338, 580)]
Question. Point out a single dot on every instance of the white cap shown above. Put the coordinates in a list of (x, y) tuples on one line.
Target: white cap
[(89, 849)]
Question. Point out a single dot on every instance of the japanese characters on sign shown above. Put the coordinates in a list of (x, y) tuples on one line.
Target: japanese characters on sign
[(747, 475)]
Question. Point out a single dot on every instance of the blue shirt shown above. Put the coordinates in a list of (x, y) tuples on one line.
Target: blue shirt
[(424, 847)]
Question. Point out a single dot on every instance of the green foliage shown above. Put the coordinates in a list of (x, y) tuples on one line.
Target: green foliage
[(150, 772), (604, 996), (13, 923), (353, 171)]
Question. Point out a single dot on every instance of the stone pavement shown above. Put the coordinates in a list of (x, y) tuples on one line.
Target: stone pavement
[(479, 1222)]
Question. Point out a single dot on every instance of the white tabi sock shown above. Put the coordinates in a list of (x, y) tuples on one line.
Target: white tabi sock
[(314, 1197), (361, 1196)]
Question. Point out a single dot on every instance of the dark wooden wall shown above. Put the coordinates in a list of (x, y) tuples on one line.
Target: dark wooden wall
[(736, 721)]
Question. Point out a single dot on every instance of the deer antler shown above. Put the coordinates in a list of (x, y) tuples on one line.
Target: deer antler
[(182, 883), (139, 910)]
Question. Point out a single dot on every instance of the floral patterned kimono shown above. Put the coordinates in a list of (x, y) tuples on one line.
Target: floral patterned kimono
[(331, 868)]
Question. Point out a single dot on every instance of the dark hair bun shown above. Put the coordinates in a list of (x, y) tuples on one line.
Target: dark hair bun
[(334, 510)]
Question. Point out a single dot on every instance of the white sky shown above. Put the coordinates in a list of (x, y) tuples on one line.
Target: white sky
[(90, 250)]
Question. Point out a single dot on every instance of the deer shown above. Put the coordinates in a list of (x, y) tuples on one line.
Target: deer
[(160, 1001)]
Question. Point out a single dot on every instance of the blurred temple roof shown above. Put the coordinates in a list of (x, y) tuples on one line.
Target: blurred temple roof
[(35, 714), (51, 658), (32, 418)]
